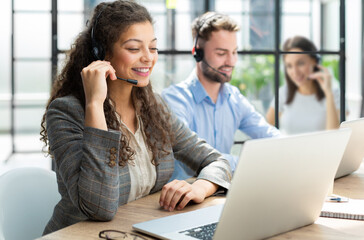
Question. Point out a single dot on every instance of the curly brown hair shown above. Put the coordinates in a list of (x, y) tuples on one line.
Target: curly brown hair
[(112, 19)]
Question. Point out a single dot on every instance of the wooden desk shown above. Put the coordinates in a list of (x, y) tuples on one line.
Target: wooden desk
[(148, 208)]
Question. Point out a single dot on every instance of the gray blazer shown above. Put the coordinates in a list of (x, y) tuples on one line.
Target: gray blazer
[(90, 180)]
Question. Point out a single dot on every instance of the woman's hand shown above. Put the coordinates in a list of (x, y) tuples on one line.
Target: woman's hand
[(94, 81), (323, 77), (177, 194), (332, 114), (95, 88)]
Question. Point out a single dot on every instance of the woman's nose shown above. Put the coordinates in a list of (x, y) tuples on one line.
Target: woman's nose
[(147, 56)]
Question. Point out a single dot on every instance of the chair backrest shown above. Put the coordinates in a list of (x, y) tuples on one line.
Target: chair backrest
[(27, 199)]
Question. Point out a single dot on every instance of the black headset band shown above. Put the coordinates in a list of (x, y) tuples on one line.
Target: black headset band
[(198, 52), (97, 49)]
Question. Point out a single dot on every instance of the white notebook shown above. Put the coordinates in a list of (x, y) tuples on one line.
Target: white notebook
[(352, 209)]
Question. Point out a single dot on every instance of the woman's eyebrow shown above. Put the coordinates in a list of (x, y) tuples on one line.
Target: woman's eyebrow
[(137, 40)]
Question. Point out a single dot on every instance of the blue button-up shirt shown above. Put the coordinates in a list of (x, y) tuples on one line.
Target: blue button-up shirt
[(215, 122)]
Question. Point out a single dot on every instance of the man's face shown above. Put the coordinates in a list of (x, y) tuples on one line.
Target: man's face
[(220, 52)]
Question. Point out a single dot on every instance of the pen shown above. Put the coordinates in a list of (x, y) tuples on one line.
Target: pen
[(338, 199)]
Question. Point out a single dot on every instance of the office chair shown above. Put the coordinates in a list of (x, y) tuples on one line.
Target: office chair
[(27, 199)]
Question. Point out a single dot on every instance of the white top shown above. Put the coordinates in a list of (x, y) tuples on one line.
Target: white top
[(305, 113), (143, 173)]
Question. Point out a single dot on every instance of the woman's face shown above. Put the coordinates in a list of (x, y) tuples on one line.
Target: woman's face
[(135, 53), (299, 67)]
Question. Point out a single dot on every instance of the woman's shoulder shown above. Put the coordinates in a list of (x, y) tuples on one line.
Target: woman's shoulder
[(68, 105), (69, 101), (65, 108)]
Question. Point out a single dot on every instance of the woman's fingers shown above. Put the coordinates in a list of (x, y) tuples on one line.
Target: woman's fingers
[(177, 194), (94, 80), (172, 194)]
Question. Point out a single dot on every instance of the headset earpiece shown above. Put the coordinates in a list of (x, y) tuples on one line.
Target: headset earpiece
[(198, 54), (96, 49)]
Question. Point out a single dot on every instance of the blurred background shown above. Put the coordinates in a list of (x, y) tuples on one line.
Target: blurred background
[(36, 35)]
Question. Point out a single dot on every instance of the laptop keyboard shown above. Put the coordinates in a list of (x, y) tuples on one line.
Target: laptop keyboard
[(205, 232)]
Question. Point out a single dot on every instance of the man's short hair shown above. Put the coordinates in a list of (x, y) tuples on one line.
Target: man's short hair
[(210, 22)]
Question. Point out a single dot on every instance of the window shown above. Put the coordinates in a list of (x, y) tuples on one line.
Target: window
[(265, 24)]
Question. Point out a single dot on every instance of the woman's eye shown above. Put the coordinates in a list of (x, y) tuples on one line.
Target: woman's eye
[(133, 49), (153, 49)]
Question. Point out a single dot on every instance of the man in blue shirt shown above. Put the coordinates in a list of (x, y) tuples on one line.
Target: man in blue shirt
[(205, 101)]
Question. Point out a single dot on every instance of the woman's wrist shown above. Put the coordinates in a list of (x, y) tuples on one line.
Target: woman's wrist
[(94, 116), (208, 187), (329, 95)]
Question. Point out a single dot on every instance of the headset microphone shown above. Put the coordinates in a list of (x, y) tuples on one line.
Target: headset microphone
[(132, 81), (224, 74), (98, 51)]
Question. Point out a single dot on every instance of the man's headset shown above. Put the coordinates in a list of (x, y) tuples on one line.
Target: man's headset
[(98, 51), (198, 53)]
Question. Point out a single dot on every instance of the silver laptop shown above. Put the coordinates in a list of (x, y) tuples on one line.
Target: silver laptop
[(280, 184), (354, 153)]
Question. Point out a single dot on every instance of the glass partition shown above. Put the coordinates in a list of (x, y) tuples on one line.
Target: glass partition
[(254, 74)]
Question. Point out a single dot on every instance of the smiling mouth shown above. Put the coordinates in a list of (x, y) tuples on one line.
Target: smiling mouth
[(142, 70), (300, 79), (226, 69)]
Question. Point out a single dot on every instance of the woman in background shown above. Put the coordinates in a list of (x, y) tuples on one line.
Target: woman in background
[(112, 139), (308, 101)]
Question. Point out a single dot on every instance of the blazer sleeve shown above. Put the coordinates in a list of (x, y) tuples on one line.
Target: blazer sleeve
[(86, 159)]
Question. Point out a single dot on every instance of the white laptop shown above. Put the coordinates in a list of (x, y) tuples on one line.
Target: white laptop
[(354, 153), (280, 184)]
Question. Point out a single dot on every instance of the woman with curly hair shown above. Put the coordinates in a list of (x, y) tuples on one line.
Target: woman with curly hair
[(112, 139)]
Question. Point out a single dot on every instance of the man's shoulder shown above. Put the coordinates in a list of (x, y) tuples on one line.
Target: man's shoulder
[(180, 90)]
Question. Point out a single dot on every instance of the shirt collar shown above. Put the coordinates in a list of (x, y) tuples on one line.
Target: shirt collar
[(199, 92)]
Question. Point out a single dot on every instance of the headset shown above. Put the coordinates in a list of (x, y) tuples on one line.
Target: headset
[(98, 51), (198, 53), (317, 57)]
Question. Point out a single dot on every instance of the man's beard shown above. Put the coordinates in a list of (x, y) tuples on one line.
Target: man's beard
[(213, 74)]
